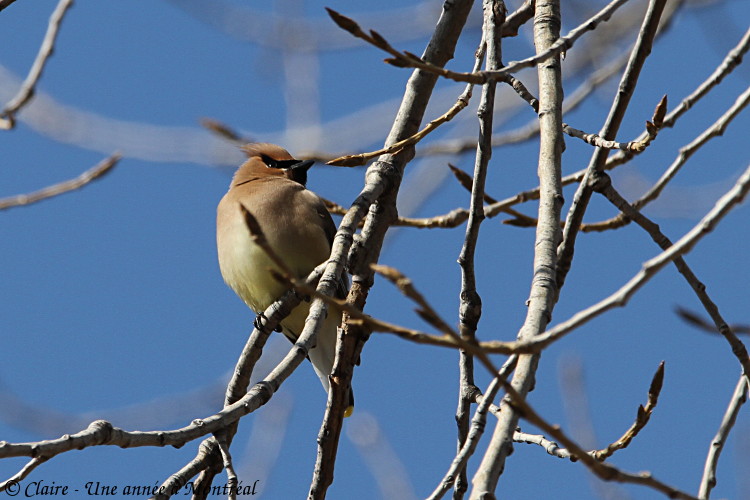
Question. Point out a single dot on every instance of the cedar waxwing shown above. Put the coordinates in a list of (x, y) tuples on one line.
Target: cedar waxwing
[(299, 229)]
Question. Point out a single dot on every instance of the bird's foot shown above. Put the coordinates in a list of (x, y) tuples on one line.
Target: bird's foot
[(259, 321)]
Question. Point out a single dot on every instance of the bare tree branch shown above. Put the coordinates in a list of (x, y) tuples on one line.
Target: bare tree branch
[(738, 348), (544, 290), (531, 130), (97, 171), (475, 431), (26, 92), (362, 158), (616, 114), (642, 418), (382, 182), (229, 467), (23, 473), (470, 308), (715, 130), (648, 270), (409, 60), (602, 470), (728, 64), (708, 481), (638, 145), (518, 18)]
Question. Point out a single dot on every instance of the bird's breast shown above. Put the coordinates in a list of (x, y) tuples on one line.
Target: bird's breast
[(246, 267)]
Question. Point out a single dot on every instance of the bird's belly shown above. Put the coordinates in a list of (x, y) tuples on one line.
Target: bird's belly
[(246, 267)]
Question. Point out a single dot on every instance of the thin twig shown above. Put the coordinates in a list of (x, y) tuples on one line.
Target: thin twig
[(406, 286), (26, 92), (729, 63), (641, 419), (636, 146), (518, 18), (207, 462), (715, 130), (22, 474), (450, 337), (103, 433), (179, 479), (93, 173), (603, 470), (470, 307), (628, 82), (208, 459), (531, 129), (466, 181), (550, 447), (362, 158), (407, 59)]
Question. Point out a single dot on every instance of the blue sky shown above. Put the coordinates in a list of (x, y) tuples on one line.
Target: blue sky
[(113, 306)]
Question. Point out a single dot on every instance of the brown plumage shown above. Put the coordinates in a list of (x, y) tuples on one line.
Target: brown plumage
[(297, 226)]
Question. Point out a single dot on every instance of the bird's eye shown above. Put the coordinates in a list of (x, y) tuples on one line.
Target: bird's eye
[(270, 162)]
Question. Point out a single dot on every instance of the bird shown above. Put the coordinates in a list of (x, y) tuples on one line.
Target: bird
[(271, 185)]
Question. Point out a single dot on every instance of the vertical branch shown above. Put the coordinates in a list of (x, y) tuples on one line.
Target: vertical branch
[(476, 429), (470, 309), (383, 179), (543, 286), (581, 199), (708, 481)]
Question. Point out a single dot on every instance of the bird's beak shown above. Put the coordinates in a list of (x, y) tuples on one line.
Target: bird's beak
[(303, 165), (298, 171)]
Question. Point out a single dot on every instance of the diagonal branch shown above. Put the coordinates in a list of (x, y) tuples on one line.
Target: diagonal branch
[(5, 3), (738, 348), (642, 418), (715, 130), (207, 462), (26, 92), (648, 270), (603, 470), (638, 56), (356, 160), (96, 172), (731, 61), (708, 481)]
